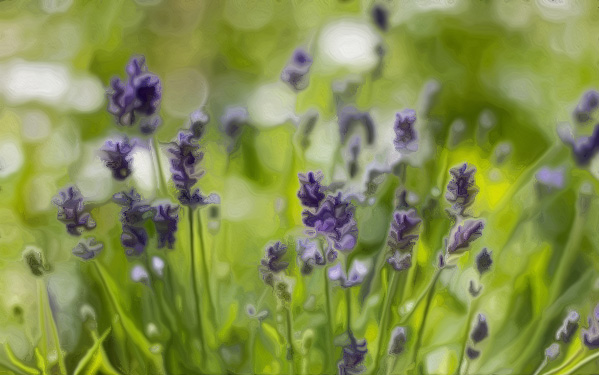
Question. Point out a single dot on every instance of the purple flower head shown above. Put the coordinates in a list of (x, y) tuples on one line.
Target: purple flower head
[(134, 240), (399, 261), (295, 73), (88, 248), (348, 117), (272, 260), (185, 157), (464, 235), (402, 236), (461, 189), (309, 255), (138, 96), (72, 211), (568, 327), (481, 329), (354, 354), (165, 222), (484, 261), (356, 274), (472, 353), (551, 178), (588, 103), (398, 340), (196, 199), (233, 121), (590, 336), (552, 351), (380, 17), (117, 157), (406, 138), (584, 148), (310, 192), (134, 214), (335, 220)]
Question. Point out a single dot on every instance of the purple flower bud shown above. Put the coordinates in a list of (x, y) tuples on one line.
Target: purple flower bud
[(472, 353), (484, 261), (310, 192), (397, 341), (464, 235), (399, 261), (148, 125), (198, 120), (590, 336), (335, 220), (406, 138), (348, 117), (134, 214), (233, 120), (552, 352), (134, 240), (165, 222), (551, 178), (380, 17), (588, 103), (461, 190), (356, 275), (354, 354), (402, 236), (117, 157), (295, 73), (568, 327), (139, 274), (309, 255), (72, 211), (481, 329), (138, 96), (272, 261), (88, 248), (584, 148)]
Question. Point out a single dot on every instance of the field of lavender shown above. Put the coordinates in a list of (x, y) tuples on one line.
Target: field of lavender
[(299, 187)]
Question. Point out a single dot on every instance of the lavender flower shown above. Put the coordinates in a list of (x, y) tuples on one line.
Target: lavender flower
[(295, 73), (380, 17), (335, 220), (309, 255), (272, 260), (72, 211), (584, 148), (590, 336), (148, 125), (198, 120), (484, 261), (233, 120), (88, 248), (310, 192), (568, 327), (464, 235), (406, 138), (552, 352), (481, 329), (551, 178), (117, 157), (138, 96), (165, 222), (134, 214), (472, 353), (401, 236), (348, 117), (588, 103), (397, 341), (461, 190), (356, 275), (354, 354), (400, 262)]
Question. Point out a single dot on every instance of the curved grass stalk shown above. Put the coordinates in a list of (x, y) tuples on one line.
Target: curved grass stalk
[(54, 330), (91, 352), (429, 298), (17, 363), (466, 332), (387, 301)]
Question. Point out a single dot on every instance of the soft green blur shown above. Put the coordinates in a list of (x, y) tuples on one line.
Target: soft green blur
[(523, 63)]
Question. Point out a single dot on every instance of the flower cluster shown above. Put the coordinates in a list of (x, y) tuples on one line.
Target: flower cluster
[(165, 221), (353, 357), (72, 211), (406, 138), (402, 238), (461, 189), (117, 157), (295, 73), (137, 97), (134, 214), (463, 235)]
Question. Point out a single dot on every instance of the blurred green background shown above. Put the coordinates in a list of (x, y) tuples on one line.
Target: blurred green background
[(518, 67)]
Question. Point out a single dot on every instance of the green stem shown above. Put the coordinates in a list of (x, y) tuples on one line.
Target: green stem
[(330, 325), (565, 364), (290, 350), (42, 320), (156, 157), (582, 363), (387, 301), (205, 269), (541, 367), (54, 329), (425, 315), (420, 298), (348, 305), (466, 332), (194, 282)]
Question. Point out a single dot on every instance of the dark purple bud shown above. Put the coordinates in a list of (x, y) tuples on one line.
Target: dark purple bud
[(380, 17), (397, 341), (356, 275), (165, 222), (138, 96), (402, 235), (464, 235), (399, 261), (348, 117), (440, 261), (481, 329), (272, 262), (117, 157), (310, 192), (353, 357), (88, 248), (584, 148), (588, 103), (590, 336), (472, 353), (484, 261), (406, 138), (72, 211), (134, 214), (552, 352), (295, 73), (473, 290), (335, 220), (461, 189), (568, 327), (134, 240), (233, 120)]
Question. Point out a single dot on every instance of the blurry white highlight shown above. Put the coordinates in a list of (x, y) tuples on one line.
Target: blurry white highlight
[(350, 44)]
